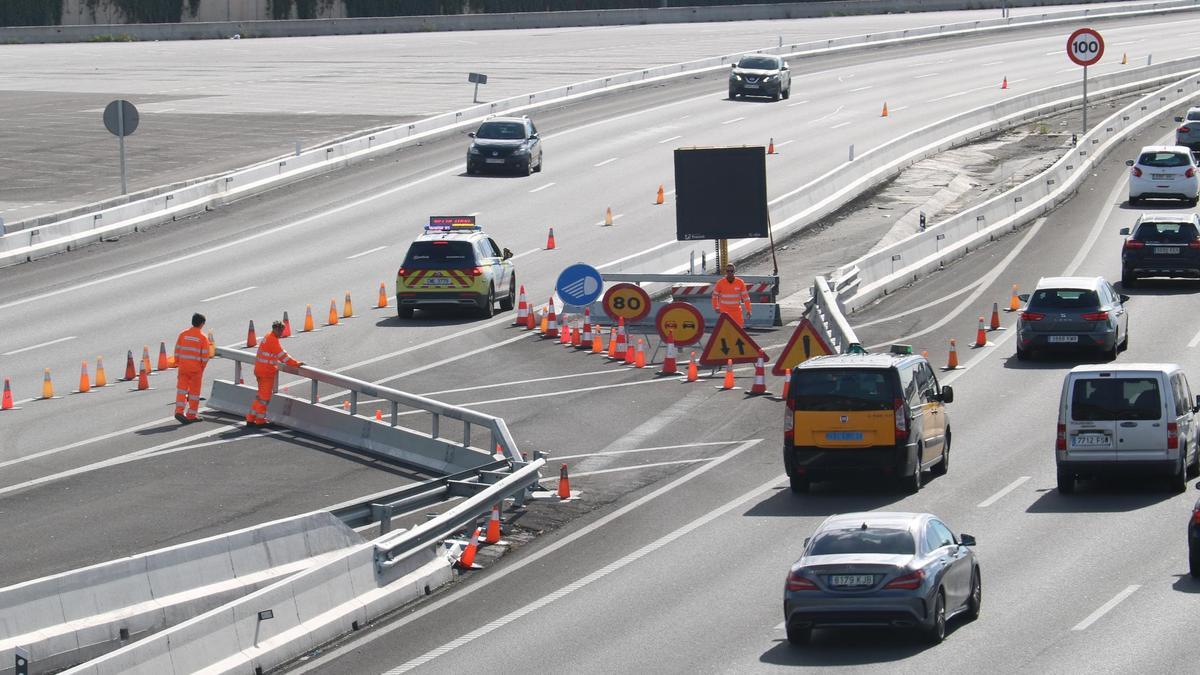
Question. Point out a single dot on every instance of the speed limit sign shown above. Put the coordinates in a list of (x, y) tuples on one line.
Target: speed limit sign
[(626, 301), (1085, 47)]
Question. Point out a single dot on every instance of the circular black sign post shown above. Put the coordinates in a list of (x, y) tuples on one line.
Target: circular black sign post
[(121, 120)]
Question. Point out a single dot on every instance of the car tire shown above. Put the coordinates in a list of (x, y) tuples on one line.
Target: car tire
[(1124, 344), (799, 485), (975, 599), (777, 95), (943, 467), (798, 636), (1111, 354), (1066, 482), (1192, 202), (1178, 480), (1134, 201), (488, 309), (471, 170), (787, 93), (404, 312), (912, 484), (935, 633), (528, 170), (1193, 467), (1128, 279), (539, 166), (1194, 562), (1023, 354), (510, 300), (733, 95)]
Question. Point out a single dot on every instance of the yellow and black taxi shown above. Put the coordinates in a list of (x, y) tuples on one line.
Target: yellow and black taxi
[(866, 415), (454, 263)]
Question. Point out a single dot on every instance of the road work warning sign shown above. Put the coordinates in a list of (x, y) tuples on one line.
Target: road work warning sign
[(730, 341), (804, 344)]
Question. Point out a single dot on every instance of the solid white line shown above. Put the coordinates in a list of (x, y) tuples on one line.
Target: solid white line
[(839, 125), (1130, 42), (822, 119), (44, 344), (668, 140), (589, 579), (539, 189), (899, 107), (608, 371), (860, 89), (1056, 51), (1003, 491), (226, 295), (921, 77), (359, 255), (661, 447), (1106, 607), (736, 119), (1194, 341), (610, 160), (622, 469), (793, 105), (783, 143)]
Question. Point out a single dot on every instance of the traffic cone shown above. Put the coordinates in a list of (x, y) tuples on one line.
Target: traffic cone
[(564, 334), (771, 147), (493, 527), (577, 338), (564, 483), (522, 309), (613, 338), (378, 415), (467, 560), (383, 300), (333, 315), (130, 370), (619, 352), (1125, 59), (669, 367), (146, 358), (530, 323), (212, 345), (787, 386), (1014, 303), (640, 357), (952, 362), (551, 321), (85, 385), (251, 338), (759, 387), (693, 373), (47, 385), (728, 383), (608, 216), (630, 355), (163, 363), (550, 240), (995, 325), (347, 307), (144, 379), (308, 320), (7, 402), (980, 336), (544, 324), (287, 325), (1004, 84), (598, 342), (885, 112), (586, 338), (101, 378), (658, 201)]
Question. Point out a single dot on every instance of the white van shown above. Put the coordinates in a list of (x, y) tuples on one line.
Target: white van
[(1137, 417)]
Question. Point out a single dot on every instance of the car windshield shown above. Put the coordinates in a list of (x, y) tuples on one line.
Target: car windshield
[(843, 389), (1164, 159), (1064, 299), (1166, 233), (431, 255), (759, 63), (864, 540), (501, 130), (1133, 398)]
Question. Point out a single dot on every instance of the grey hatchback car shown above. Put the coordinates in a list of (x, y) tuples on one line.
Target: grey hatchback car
[(1188, 132), (1073, 313), (905, 570)]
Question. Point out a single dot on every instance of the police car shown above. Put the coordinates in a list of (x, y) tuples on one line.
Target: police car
[(453, 263)]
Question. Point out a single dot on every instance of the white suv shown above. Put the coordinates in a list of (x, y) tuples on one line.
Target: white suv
[(1167, 171)]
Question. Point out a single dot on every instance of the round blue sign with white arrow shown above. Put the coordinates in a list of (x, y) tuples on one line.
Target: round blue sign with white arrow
[(579, 285)]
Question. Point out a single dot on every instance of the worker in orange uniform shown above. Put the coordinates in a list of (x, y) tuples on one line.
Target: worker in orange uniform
[(191, 355), (266, 365), (730, 294)]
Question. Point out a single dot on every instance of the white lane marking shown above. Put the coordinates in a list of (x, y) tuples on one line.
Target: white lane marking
[(539, 189), (860, 89), (1130, 42), (793, 105), (918, 308), (1194, 341), (968, 91), (615, 217), (366, 252), (226, 295), (991, 63), (899, 107), (839, 125), (498, 574), (473, 214), (921, 77), (42, 344), (589, 579), (1106, 607), (610, 160), (668, 140), (843, 78), (783, 143), (518, 382), (622, 469), (525, 253), (654, 449), (1003, 491), (631, 256), (736, 119), (546, 394), (1056, 51), (822, 119), (1072, 69)]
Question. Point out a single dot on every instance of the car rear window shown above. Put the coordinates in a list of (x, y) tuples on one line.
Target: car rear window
[(843, 389), (1166, 233), (1131, 398), (1072, 299), (1193, 116), (501, 130), (864, 540), (1164, 159), (759, 63), (430, 255)]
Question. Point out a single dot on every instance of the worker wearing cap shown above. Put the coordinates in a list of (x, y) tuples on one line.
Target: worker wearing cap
[(729, 294), (191, 356), (267, 361)]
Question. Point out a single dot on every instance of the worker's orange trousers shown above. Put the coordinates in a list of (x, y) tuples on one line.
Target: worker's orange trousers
[(187, 391), (258, 409)]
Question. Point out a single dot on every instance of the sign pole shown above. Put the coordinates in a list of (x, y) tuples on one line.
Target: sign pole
[(1084, 102), (723, 254), (121, 142)]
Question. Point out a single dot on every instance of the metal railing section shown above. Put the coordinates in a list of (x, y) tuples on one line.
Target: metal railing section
[(825, 313)]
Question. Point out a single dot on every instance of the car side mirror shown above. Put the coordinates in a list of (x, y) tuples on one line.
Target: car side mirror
[(733, 65), (966, 540), (1124, 298), (1129, 162), (1198, 486), (808, 539), (506, 255), (1124, 231), (1198, 400), (947, 394), (785, 67), (534, 135), (471, 134), (1024, 297)]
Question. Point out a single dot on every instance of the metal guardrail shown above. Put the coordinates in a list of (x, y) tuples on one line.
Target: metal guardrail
[(826, 315)]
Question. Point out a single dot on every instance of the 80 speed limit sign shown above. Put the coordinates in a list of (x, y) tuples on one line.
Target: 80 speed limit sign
[(626, 301), (1085, 47)]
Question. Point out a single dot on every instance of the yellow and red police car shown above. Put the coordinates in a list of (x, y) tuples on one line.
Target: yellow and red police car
[(454, 263)]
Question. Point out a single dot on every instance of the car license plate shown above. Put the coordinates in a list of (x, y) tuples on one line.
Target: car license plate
[(1167, 250), (437, 281), (851, 580), (1162, 176), (843, 435), (1063, 338), (491, 160), (1090, 441), (752, 86)]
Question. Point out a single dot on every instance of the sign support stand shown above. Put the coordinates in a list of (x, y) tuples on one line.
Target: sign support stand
[(1084, 103)]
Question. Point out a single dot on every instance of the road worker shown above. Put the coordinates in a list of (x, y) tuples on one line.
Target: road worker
[(729, 294), (266, 365), (191, 355)]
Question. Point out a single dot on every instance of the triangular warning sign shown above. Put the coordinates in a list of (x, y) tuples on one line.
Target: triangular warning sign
[(730, 341), (804, 344)]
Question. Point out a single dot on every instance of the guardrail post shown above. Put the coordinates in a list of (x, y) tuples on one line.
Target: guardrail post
[(466, 434), (312, 392), (237, 372), (395, 413), (435, 431), (353, 402), (383, 514)]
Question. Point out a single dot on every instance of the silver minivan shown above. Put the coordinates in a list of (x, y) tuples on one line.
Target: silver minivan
[(1138, 417)]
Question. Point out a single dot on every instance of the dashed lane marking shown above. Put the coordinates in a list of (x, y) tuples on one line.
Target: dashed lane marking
[(918, 308), (839, 125), (539, 189), (1003, 491), (39, 345), (860, 89), (366, 252), (1106, 607), (780, 145), (610, 160), (654, 449), (226, 295), (921, 77), (622, 469), (736, 119), (668, 140)]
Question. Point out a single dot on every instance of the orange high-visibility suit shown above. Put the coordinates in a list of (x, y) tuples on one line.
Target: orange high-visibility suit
[(728, 298), (266, 365), (191, 355)]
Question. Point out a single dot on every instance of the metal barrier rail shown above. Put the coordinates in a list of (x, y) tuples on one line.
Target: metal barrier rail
[(826, 315), (500, 436)]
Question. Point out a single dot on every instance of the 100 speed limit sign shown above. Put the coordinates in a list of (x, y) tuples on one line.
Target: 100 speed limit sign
[(1085, 47)]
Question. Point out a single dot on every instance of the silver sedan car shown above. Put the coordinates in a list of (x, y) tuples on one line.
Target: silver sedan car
[(905, 570)]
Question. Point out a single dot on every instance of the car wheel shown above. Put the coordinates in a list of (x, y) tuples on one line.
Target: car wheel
[(733, 94), (1134, 201), (488, 310), (404, 312), (1022, 354), (787, 93), (1179, 478), (1128, 279), (510, 300), (1193, 468), (528, 170), (799, 485), (937, 628), (942, 467), (912, 484), (1066, 482), (975, 600), (471, 170), (1193, 201), (1111, 354), (540, 162), (1125, 342), (1194, 562), (799, 636)]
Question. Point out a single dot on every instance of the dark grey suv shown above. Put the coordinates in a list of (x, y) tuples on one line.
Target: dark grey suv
[(1072, 314), (510, 143), (760, 75), (1161, 245)]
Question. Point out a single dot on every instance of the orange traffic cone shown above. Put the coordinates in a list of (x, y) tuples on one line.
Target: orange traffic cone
[(995, 325), (952, 362), (564, 483), (640, 357), (980, 335), (101, 378), (630, 355), (7, 402), (287, 325), (728, 383), (608, 216), (669, 367), (1125, 59), (759, 388), (383, 300), (467, 560), (693, 373), (1014, 303), (530, 322), (658, 201), (130, 370), (378, 415), (85, 385), (613, 338), (163, 362), (493, 527), (308, 320), (522, 309), (47, 385), (146, 358), (212, 346), (144, 379), (585, 340), (564, 334), (347, 307), (551, 322), (771, 147), (619, 353), (1004, 84), (251, 338), (544, 324), (333, 315), (885, 112), (787, 387), (577, 338), (598, 342), (550, 240)]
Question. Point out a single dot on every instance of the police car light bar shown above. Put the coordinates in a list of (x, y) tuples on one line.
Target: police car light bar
[(451, 224)]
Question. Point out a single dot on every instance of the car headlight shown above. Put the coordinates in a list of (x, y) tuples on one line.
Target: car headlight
[(735, 76), (770, 78), (521, 150), (473, 150)]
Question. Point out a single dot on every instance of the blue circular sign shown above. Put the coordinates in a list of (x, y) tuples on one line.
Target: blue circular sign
[(579, 285)]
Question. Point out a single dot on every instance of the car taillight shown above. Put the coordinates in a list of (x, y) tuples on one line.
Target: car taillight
[(1137, 173), (1060, 443), (476, 271), (908, 581), (1196, 517), (401, 272), (1183, 130), (1032, 316), (1129, 243), (795, 582), (901, 419), (1172, 436), (1095, 316), (1194, 244), (1190, 172), (789, 420)]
